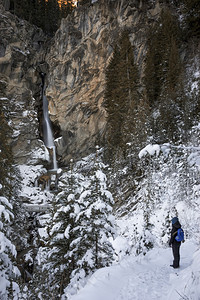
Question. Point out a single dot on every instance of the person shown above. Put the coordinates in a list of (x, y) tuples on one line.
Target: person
[(174, 243)]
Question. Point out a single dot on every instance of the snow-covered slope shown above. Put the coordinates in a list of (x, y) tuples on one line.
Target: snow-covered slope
[(147, 277)]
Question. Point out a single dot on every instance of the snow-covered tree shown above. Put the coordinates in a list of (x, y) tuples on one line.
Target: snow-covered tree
[(83, 227), (169, 183), (97, 222), (12, 215), (8, 271), (62, 248), (94, 249), (63, 242)]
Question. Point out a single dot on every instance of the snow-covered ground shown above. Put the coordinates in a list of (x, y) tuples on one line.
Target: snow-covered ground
[(142, 277), (148, 277), (30, 193)]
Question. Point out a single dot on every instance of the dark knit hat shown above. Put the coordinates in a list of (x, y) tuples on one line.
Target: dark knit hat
[(174, 220)]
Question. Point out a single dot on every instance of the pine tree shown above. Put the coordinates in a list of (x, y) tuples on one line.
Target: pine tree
[(95, 227), (6, 156), (8, 270), (162, 41), (84, 2), (112, 101), (129, 83), (65, 235), (191, 12), (164, 79), (97, 221), (152, 79), (12, 216), (42, 13), (121, 94), (66, 8), (52, 16), (62, 238)]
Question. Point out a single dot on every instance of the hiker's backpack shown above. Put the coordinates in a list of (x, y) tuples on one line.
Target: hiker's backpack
[(180, 235)]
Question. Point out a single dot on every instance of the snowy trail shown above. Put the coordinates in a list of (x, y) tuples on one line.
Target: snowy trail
[(140, 278)]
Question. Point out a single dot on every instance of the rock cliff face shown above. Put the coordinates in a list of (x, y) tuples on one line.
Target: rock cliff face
[(74, 62), (77, 61), (21, 52)]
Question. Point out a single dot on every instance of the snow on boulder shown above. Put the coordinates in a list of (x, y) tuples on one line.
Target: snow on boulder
[(150, 149)]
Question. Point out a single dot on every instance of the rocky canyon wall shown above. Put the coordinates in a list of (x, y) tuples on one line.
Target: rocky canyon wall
[(77, 61), (74, 61), (21, 54)]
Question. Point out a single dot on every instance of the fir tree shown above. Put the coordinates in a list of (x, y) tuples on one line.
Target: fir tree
[(163, 44), (66, 8), (121, 95), (191, 11), (84, 2), (6, 156), (129, 84), (95, 228), (8, 270), (62, 238), (13, 215), (52, 16), (97, 222), (164, 79), (65, 234), (112, 101), (42, 13)]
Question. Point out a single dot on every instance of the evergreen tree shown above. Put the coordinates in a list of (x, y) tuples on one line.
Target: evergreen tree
[(97, 222), (66, 8), (152, 79), (42, 13), (62, 242), (163, 44), (84, 2), (64, 235), (52, 16), (6, 157), (82, 225), (191, 12), (113, 100), (121, 98), (92, 229), (8, 270), (129, 85), (164, 79), (13, 216)]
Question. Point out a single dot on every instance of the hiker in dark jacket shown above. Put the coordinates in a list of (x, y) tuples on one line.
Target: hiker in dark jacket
[(174, 243)]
